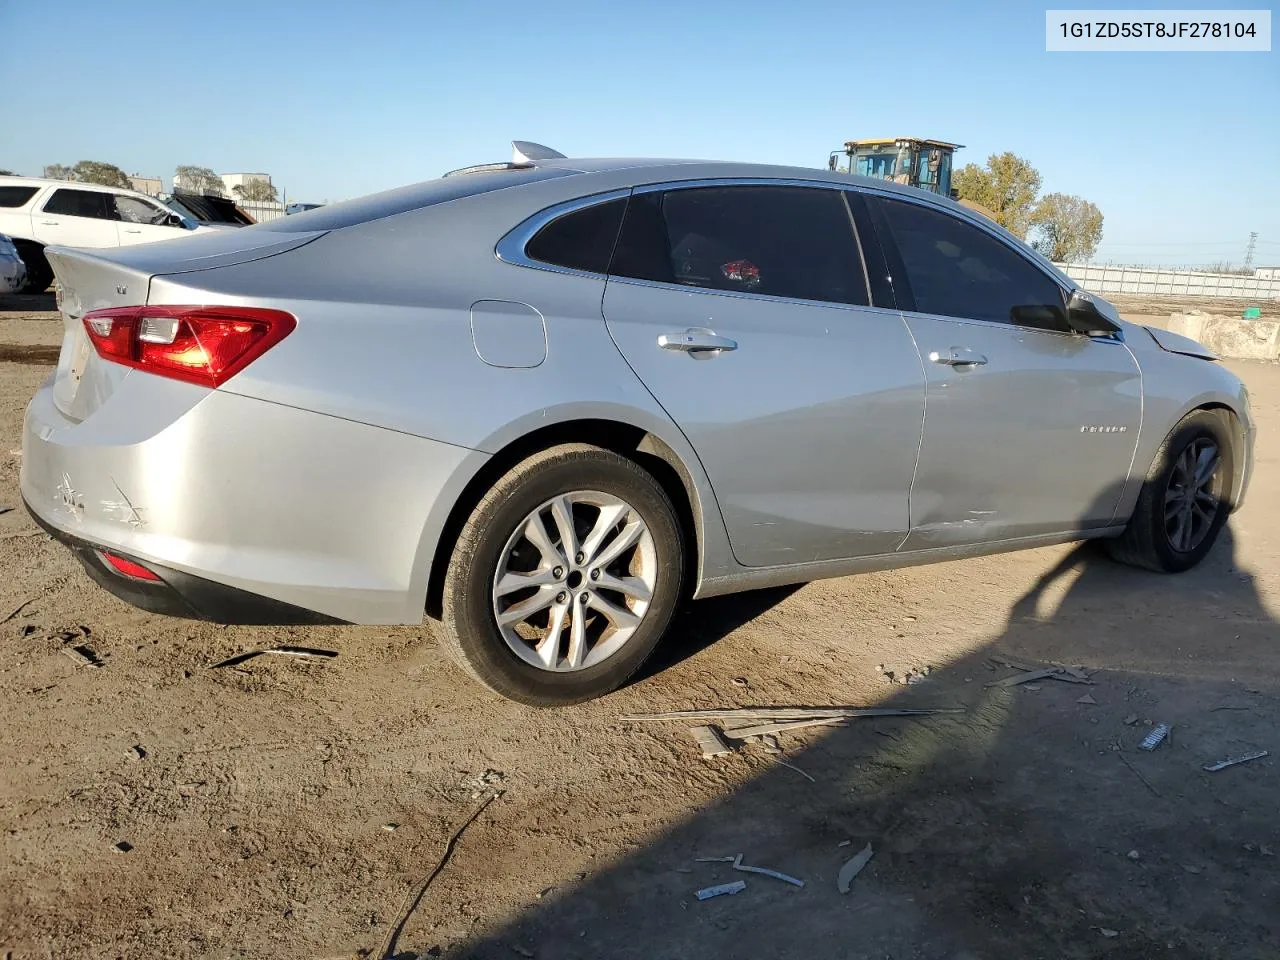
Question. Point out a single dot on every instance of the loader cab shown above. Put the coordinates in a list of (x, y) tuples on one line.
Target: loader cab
[(918, 163)]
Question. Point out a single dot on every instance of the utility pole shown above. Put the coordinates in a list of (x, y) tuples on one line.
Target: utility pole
[(1248, 254)]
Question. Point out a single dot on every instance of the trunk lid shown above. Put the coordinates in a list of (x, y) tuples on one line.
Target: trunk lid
[(95, 280)]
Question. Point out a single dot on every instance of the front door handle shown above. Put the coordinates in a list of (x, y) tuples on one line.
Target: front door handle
[(697, 341), (958, 357), (132, 231), (50, 223)]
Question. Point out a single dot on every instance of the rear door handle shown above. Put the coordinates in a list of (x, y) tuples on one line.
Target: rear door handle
[(132, 231), (958, 357), (696, 341), (49, 223)]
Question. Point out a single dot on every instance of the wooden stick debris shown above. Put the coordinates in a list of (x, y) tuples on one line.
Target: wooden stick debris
[(406, 908), (788, 713), (711, 740), (1137, 773), (19, 608), (283, 651), (767, 729)]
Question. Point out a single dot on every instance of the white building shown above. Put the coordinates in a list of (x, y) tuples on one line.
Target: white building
[(1267, 273), (232, 180), (151, 186)]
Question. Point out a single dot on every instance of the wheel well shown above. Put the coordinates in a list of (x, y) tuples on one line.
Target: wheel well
[(622, 438), (1238, 447)]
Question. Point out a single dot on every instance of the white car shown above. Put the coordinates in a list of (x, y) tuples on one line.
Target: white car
[(39, 213), (13, 272)]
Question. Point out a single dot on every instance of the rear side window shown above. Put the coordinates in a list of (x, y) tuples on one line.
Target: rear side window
[(81, 203), (795, 242), (956, 270), (580, 240), (15, 196)]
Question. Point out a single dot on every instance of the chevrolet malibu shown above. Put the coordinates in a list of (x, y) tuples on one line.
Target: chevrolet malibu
[(545, 400)]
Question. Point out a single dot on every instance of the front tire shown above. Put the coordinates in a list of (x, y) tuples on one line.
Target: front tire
[(1185, 498), (564, 578)]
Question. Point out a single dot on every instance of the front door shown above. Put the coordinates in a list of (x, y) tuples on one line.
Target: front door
[(743, 309), (1030, 429), (76, 218), (141, 221)]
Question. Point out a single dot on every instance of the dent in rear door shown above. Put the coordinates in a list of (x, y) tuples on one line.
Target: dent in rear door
[(808, 429)]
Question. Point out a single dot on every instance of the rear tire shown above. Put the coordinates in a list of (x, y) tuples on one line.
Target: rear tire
[(39, 273), (549, 659), (1156, 537)]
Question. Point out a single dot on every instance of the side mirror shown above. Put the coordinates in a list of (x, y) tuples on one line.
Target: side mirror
[(1083, 316), (173, 220)]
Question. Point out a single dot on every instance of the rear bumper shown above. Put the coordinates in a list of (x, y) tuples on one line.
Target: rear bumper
[(248, 510), (179, 594)]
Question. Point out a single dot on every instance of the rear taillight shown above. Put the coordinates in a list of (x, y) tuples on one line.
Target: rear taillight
[(128, 567), (204, 345)]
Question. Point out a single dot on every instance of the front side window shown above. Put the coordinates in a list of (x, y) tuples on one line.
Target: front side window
[(133, 210), (581, 239), (783, 241), (956, 270), (15, 196), (81, 203)]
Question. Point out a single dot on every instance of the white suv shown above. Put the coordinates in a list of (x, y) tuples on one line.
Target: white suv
[(38, 213)]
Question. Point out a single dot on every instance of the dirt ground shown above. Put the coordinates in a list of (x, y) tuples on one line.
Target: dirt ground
[(286, 808)]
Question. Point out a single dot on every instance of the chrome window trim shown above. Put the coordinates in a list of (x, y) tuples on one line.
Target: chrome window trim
[(1001, 325), (743, 295), (510, 249)]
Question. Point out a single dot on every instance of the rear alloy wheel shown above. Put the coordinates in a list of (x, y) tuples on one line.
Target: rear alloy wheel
[(1185, 499), (565, 577)]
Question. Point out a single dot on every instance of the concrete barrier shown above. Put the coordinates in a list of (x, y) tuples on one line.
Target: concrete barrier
[(1230, 337)]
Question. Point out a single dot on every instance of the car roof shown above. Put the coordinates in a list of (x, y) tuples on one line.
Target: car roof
[(657, 170), (73, 184)]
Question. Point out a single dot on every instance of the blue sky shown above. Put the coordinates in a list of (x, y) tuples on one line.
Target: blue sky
[(339, 99)]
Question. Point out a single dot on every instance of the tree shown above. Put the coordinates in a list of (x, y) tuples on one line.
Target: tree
[(257, 190), (1069, 227), (198, 180), (58, 171), (105, 174), (8, 173), (1007, 186)]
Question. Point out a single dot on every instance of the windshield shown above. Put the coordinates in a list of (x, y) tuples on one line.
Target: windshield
[(878, 165)]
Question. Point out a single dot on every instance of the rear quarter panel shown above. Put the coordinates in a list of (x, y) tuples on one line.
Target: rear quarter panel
[(384, 338)]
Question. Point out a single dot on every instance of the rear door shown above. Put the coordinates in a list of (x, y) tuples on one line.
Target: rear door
[(743, 307), (1030, 429), (76, 218), (141, 221)]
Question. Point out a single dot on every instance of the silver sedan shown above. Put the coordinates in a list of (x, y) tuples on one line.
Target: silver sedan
[(545, 401)]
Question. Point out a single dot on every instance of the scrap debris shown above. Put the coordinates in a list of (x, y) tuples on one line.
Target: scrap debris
[(83, 654), (711, 740), (1087, 699), (283, 651), (720, 889), (1232, 761), (1138, 773), (1159, 733), (787, 713), (765, 872), (1063, 672), (844, 881)]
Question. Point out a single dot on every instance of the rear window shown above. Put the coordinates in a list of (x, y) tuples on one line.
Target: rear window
[(580, 240), (81, 203), (15, 196), (376, 206)]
